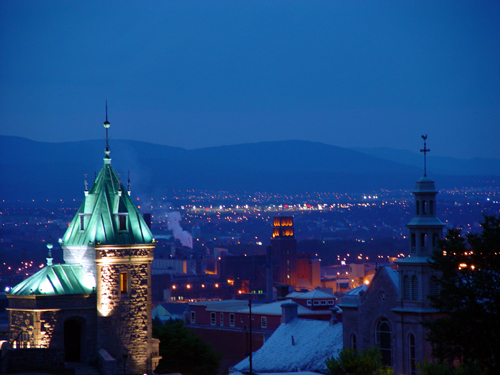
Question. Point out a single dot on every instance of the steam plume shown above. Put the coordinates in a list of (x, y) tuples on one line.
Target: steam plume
[(173, 224)]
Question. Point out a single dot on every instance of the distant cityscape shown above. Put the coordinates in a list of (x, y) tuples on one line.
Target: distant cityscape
[(337, 227)]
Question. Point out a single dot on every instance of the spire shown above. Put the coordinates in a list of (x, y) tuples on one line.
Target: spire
[(86, 182), (425, 150), (128, 182), (49, 258), (107, 125)]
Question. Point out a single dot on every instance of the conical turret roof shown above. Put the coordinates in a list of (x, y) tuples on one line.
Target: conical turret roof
[(107, 216), (56, 279)]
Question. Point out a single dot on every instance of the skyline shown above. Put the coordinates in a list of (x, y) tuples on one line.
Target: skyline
[(205, 74)]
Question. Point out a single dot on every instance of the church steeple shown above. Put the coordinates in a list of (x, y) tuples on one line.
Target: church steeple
[(425, 228)]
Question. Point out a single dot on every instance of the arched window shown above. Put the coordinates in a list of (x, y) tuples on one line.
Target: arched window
[(414, 288), (406, 287), (417, 206), (412, 354), (353, 341), (424, 208), (384, 342), (423, 241), (434, 240), (413, 243), (433, 286), (431, 207)]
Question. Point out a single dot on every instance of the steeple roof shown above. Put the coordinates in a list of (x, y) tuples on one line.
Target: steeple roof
[(107, 216)]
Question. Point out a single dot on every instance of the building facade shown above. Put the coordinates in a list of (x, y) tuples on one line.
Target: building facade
[(391, 311)]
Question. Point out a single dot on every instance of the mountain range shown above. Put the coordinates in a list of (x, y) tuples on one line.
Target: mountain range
[(43, 170)]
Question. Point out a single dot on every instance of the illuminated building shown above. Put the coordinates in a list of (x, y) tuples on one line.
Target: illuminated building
[(96, 306), (284, 251)]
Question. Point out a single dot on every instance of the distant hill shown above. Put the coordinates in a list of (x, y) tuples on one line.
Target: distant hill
[(34, 170), (437, 164)]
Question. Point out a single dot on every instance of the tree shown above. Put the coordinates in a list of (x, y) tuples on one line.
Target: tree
[(468, 297), (184, 352), (441, 368), (350, 362)]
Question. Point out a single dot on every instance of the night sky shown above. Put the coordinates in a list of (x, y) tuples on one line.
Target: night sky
[(209, 73)]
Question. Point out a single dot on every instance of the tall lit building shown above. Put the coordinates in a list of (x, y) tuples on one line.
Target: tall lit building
[(97, 304), (284, 251)]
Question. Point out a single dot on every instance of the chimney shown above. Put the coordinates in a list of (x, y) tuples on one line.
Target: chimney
[(288, 312), (334, 319)]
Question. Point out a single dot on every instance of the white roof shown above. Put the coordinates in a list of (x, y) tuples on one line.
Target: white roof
[(313, 342), (274, 308), (310, 295)]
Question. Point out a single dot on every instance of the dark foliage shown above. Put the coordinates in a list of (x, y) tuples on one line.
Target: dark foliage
[(183, 351), (469, 296), (350, 362)]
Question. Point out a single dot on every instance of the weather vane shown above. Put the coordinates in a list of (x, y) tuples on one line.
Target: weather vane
[(425, 150)]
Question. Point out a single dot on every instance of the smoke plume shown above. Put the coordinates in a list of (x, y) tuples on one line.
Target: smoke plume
[(173, 224)]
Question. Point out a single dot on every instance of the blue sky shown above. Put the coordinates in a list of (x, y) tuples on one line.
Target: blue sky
[(198, 74)]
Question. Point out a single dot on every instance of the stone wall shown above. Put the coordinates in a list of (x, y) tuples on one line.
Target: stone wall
[(124, 322)]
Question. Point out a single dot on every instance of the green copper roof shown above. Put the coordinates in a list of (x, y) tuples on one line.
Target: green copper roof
[(56, 279), (107, 216)]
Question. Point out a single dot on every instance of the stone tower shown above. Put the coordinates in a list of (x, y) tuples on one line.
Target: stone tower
[(416, 279), (284, 251), (113, 243)]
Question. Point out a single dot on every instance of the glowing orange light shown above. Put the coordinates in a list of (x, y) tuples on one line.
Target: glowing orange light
[(174, 287)]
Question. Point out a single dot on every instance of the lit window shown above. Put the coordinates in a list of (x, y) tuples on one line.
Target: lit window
[(263, 322), (123, 283)]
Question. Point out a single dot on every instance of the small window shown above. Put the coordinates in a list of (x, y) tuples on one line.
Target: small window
[(82, 222), (193, 317), (123, 283), (316, 303), (424, 208), (414, 288), (433, 286), (406, 287), (221, 319), (353, 341), (309, 302), (412, 354), (212, 318), (323, 302), (231, 320), (417, 206), (263, 322), (123, 222), (331, 302), (431, 207)]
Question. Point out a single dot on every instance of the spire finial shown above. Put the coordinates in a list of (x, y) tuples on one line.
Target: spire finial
[(49, 258), (425, 150), (107, 125), (128, 182), (86, 182)]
